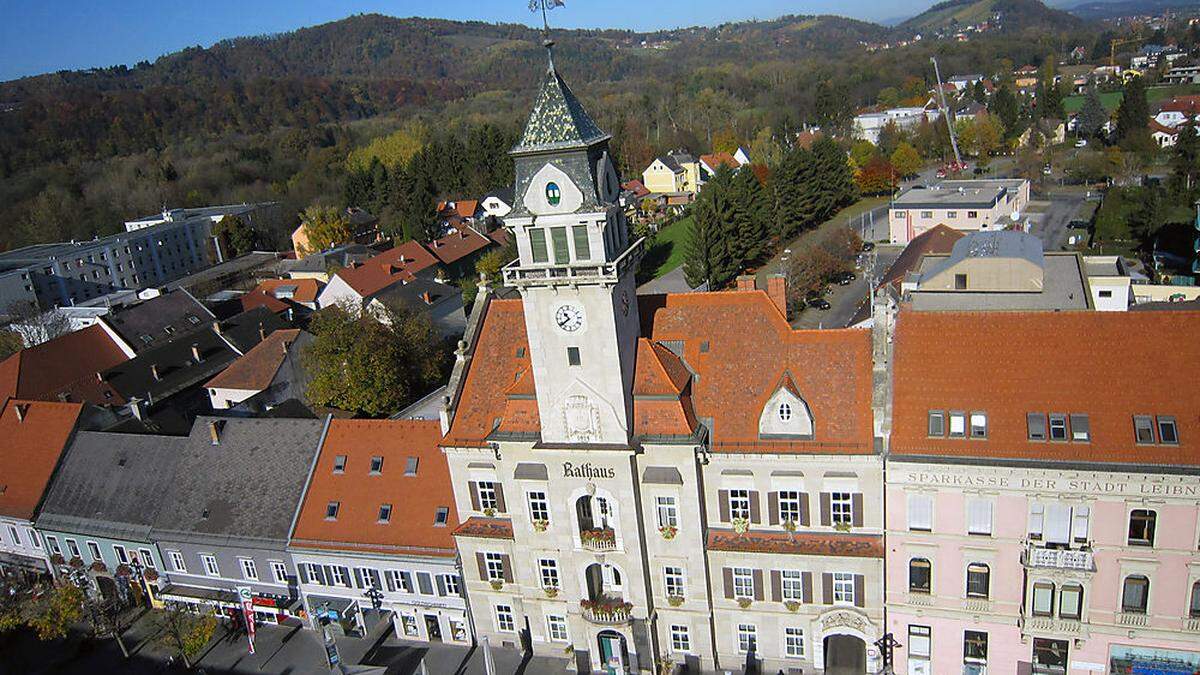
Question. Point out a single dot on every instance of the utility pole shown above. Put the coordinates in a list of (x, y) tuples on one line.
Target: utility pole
[(945, 112)]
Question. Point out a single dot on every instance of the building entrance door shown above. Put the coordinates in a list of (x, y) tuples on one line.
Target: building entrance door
[(433, 628), (612, 653), (845, 655)]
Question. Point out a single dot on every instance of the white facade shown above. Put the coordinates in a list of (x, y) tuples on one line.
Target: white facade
[(869, 125), (21, 546)]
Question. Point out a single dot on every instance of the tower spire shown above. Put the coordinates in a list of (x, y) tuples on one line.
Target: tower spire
[(545, 6)]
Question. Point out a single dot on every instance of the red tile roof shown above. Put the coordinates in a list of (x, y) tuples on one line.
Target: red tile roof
[(415, 499), (1107, 365), (938, 239), (1184, 104), (463, 208), (306, 289), (255, 369), (401, 263), (1155, 126), (737, 342), (636, 187), (35, 434), (802, 543), (485, 528), (458, 245), (257, 298), (717, 158), (64, 366)]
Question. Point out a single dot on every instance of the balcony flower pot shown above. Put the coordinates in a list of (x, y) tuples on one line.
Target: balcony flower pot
[(674, 600), (551, 591), (497, 584), (540, 525), (744, 602), (76, 562), (123, 570), (741, 525), (789, 525), (150, 574), (597, 536), (607, 608), (792, 605), (57, 559), (841, 526), (98, 566), (489, 512), (668, 532)]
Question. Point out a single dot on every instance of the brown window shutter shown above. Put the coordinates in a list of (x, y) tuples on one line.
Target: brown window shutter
[(758, 585), (507, 564), (805, 519), (500, 505), (856, 507), (806, 587), (827, 588), (723, 506), (728, 573), (859, 590), (755, 512), (772, 508), (825, 518), (473, 487), (482, 562), (776, 586)]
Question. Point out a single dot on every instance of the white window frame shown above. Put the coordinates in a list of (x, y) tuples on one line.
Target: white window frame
[(52, 541), (539, 506), (94, 551), (249, 569), (34, 538), (73, 548), (397, 580), (506, 621), (121, 553), (494, 566), (681, 639), (667, 510), (841, 508), (747, 637), (979, 516), (793, 642), (920, 642), (178, 564), (789, 506), (452, 585), (739, 504), (146, 557), (743, 583), (556, 628), (335, 576), (920, 512), (791, 585), (278, 571), (957, 427), (843, 588), (488, 498), (674, 583), (548, 573), (211, 568)]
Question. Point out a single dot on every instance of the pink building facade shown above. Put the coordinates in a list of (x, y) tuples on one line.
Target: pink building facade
[(1002, 568)]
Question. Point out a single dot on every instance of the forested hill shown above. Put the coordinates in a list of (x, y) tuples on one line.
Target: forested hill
[(1013, 15)]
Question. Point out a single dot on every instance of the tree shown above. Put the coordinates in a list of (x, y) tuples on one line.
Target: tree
[(750, 232), (878, 177), (325, 228), (1186, 159), (795, 187), (979, 92), (10, 343), (1005, 107), (764, 149), (1134, 112), (184, 631), (712, 255), (34, 326), (1092, 115), (236, 235), (906, 160), (861, 152), (830, 103), (55, 611), (372, 361)]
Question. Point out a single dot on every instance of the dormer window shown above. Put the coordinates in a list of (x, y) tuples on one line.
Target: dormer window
[(785, 413), (553, 193)]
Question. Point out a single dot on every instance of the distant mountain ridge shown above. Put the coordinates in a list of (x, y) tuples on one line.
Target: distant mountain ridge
[(1015, 15), (1117, 8)]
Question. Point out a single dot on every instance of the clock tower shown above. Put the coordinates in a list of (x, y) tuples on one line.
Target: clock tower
[(575, 272)]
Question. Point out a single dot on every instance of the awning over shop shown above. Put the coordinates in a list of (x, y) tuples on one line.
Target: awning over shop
[(23, 562), (340, 608), (198, 595)]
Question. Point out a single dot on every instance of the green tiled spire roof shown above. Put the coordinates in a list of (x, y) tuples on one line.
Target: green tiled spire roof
[(558, 120)]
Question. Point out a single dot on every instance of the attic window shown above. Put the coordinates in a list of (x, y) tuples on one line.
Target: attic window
[(520, 352), (785, 411), (331, 510), (147, 339), (443, 515), (410, 467), (553, 193), (204, 514), (121, 462), (385, 513), (193, 319), (339, 464)]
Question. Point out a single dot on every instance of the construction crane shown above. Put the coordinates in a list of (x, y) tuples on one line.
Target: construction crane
[(946, 113), (1112, 48)]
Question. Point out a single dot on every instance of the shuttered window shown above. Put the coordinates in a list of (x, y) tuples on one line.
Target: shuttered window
[(920, 512)]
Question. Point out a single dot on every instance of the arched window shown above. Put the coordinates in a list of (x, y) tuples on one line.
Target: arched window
[(1135, 595), (553, 193), (920, 576), (979, 578), (1194, 607), (1070, 602), (785, 411)]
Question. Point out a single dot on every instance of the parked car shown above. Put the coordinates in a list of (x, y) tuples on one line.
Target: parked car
[(1078, 225), (820, 303), (845, 278), (868, 246), (1046, 170)]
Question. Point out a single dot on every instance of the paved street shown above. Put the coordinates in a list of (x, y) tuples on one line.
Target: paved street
[(1050, 225), (845, 300)]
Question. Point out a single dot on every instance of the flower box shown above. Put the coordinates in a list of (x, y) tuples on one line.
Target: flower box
[(668, 532)]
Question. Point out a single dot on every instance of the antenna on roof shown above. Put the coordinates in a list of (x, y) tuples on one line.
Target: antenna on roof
[(546, 6)]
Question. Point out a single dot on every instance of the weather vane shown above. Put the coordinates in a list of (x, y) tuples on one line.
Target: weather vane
[(545, 6)]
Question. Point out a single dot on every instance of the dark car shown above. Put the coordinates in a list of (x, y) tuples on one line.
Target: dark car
[(820, 303), (845, 278), (868, 246), (1078, 225)]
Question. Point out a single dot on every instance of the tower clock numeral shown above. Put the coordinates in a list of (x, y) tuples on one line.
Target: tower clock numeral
[(569, 318)]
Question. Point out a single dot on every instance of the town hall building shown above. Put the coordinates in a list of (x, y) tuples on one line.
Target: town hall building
[(673, 477)]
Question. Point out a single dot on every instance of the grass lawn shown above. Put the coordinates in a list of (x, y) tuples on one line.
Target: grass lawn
[(668, 249), (1156, 94), (1110, 101)]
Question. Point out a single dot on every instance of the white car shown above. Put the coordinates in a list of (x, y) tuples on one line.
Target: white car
[(1081, 143)]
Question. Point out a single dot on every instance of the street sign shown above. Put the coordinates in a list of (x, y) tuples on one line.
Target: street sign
[(246, 599), (331, 651)]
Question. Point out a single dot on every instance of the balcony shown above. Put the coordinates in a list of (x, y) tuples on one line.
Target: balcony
[(1060, 559), (574, 273), (1192, 624), (606, 611), (980, 605), (600, 540), (1052, 625), (1133, 619)]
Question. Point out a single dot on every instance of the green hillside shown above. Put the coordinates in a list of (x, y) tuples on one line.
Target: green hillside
[(1015, 15)]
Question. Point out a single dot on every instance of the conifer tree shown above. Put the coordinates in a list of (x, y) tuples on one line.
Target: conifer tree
[(1134, 111), (706, 251), (1092, 115), (753, 211)]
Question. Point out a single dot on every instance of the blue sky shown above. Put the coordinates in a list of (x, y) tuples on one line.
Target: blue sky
[(38, 36)]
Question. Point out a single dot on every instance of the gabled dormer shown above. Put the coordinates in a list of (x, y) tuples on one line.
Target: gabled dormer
[(786, 413)]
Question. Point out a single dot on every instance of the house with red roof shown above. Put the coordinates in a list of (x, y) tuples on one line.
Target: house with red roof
[(373, 538), (36, 433), (1178, 111), (681, 477), (65, 369)]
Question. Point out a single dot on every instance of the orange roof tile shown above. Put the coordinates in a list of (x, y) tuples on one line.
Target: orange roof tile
[(306, 289), (65, 366), (401, 263), (738, 344), (1108, 365), (415, 499), (35, 434), (485, 528), (257, 298), (458, 245), (255, 369), (801, 543), (717, 158)]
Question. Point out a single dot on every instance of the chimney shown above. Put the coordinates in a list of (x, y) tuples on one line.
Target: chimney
[(746, 282), (777, 291), (196, 352), (21, 409), (154, 372), (214, 430), (262, 333)]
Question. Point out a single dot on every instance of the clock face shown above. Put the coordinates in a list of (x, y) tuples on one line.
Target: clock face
[(569, 318)]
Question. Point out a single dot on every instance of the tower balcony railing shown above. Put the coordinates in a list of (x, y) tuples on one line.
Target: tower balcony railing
[(517, 275), (1062, 559)]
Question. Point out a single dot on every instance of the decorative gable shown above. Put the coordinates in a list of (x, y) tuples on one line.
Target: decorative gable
[(786, 414), (552, 191)]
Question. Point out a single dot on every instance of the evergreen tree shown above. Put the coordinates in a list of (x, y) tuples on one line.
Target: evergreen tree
[(979, 93), (1052, 104), (1186, 160), (415, 202), (1092, 115), (1004, 106), (795, 193), (706, 249), (835, 177), (1134, 111), (754, 213)]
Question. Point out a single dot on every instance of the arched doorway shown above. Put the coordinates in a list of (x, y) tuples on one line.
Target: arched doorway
[(108, 588), (614, 655), (845, 655)]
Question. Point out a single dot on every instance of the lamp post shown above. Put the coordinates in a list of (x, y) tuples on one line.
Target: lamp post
[(887, 645), (375, 597)]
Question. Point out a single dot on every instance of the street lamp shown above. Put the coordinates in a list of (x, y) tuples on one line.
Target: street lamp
[(375, 597), (887, 644)]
